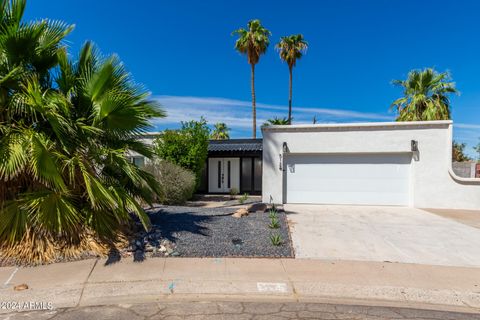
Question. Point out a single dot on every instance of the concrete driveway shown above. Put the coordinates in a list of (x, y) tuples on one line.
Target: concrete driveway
[(396, 234)]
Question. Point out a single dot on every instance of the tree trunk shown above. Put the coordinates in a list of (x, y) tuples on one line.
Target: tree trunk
[(254, 106), (290, 68)]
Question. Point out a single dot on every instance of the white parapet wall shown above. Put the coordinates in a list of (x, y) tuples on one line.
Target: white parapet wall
[(147, 138), (432, 182)]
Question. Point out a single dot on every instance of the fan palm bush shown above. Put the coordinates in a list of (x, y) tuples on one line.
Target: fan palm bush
[(65, 184)]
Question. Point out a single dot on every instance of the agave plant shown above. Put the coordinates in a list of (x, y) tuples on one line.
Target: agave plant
[(272, 213), (274, 223), (64, 130), (276, 239)]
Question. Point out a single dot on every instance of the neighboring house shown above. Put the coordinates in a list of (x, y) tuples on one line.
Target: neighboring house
[(233, 164), (138, 159), (399, 163)]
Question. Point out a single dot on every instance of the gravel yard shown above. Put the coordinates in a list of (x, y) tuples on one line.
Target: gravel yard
[(213, 232)]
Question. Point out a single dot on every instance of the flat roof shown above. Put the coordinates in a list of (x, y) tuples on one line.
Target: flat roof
[(360, 125)]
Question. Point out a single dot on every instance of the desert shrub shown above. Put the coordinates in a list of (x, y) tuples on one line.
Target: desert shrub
[(177, 184)]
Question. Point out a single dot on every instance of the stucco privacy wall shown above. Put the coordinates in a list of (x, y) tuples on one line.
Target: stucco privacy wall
[(148, 138), (432, 181)]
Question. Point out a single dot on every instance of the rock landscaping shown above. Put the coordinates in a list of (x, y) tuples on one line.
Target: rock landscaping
[(210, 232)]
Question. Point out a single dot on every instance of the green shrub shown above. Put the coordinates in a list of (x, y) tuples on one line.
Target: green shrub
[(186, 147), (177, 184)]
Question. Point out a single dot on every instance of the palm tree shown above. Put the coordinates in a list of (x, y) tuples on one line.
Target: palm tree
[(220, 132), (291, 48), (28, 50), (477, 150), (65, 184), (276, 122), (425, 96), (253, 42), (458, 152)]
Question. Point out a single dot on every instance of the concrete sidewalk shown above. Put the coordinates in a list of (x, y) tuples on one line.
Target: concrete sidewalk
[(90, 282)]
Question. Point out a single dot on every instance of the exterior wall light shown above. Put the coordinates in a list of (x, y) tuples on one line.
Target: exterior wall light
[(414, 144), (284, 150)]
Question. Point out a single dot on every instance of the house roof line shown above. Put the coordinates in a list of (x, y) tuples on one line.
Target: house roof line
[(360, 125)]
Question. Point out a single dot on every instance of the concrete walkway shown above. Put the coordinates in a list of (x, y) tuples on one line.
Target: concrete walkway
[(90, 282), (373, 233)]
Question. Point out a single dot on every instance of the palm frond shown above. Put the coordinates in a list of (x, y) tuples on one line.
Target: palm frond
[(52, 211), (252, 41), (425, 96)]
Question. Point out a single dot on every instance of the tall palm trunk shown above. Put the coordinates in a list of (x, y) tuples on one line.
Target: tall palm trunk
[(290, 69), (254, 105)]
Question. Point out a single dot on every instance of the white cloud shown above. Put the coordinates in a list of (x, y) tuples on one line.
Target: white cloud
[(345, 114), (466, 126), (237, 113)]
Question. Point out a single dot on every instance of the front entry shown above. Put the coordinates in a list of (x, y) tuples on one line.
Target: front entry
[(223, 174)]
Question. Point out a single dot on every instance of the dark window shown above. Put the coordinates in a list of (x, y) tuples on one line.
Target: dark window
[(257, 174), (138, 161), (246, 174), (228, 174), (219, 174)]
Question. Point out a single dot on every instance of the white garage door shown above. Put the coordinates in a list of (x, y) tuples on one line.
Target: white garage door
[(368, 179)]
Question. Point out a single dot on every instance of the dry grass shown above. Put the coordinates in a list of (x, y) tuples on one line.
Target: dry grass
[(37, 248)]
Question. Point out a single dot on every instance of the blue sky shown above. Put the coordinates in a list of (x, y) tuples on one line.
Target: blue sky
[(182, 51)]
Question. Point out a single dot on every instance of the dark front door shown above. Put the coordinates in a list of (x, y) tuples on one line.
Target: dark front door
[(251, 175)]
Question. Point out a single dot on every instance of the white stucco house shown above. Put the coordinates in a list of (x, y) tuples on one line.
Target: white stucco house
[(399, 163), (147, 138), (391, 163)]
